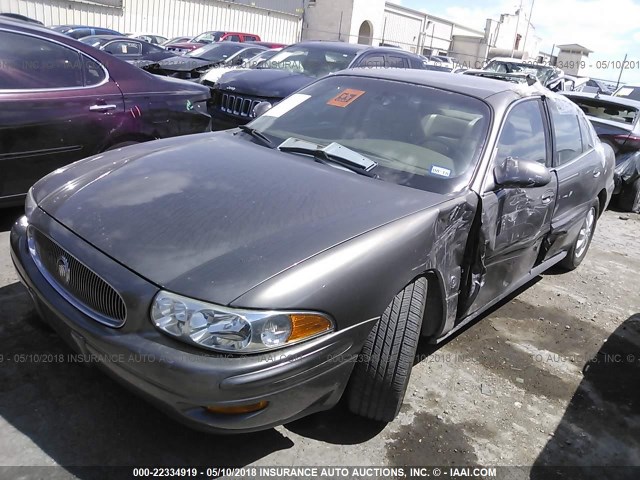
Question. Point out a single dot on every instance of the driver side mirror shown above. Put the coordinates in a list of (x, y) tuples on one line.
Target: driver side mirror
[(261, 108), (515, 173)]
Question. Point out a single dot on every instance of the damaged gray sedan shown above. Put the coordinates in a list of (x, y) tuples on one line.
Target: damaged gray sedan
[(246, 278)]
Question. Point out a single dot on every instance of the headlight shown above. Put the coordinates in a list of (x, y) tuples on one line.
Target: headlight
[(230, 330), (29, 204)]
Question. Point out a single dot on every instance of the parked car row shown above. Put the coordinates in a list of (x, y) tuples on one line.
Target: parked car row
[(62, 100)]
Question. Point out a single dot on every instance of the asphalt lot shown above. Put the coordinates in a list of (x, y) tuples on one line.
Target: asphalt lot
[(519, 387)]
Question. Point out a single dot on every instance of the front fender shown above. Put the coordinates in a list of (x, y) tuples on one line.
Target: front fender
[(356, 280)]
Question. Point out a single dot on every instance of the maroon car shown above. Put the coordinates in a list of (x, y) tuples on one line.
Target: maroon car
[(212, 37), (62, 100)]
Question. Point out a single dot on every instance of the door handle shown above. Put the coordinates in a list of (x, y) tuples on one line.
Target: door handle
[(102, 108), (546, 199), (597, 173)]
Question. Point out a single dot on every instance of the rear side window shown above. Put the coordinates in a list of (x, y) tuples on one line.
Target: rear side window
[(250, 38), (396, 61), (93, 72), (523, 134), (232, 38), (33, 63), (372, 61), (588, 138), (566, 126), (124, 48)]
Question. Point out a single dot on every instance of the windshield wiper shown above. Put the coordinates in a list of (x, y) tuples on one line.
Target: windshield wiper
[(256, 134), (332, 153)]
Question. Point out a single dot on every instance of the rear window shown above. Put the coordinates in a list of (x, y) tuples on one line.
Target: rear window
[(606, 110), (632, 93)]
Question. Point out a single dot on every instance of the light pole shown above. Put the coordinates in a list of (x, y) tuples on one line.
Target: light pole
[(524, 46)]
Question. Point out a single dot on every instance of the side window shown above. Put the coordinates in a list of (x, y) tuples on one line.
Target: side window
[(396, 61), (232, 38), (372, 61), (566, 126), (523, 134), (250, 38), (588, 141), (124, 48), (34, 63), (93, 72)]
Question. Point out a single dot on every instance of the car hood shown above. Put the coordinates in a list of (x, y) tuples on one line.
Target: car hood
[(183, 64), (264, 82), (211, 216)]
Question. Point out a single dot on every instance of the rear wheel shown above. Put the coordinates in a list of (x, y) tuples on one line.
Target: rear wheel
[(580, 247), (379, 379), (629, 198)]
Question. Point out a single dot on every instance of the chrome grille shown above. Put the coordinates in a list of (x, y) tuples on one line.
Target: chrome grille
[(238, 105), (79, 285)]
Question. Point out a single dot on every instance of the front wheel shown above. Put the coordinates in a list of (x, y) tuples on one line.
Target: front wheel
[(578, 250), (379, 379)]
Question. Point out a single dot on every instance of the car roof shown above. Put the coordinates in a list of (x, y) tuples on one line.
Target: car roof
[(337, 46), (471, 85), (625, 102)]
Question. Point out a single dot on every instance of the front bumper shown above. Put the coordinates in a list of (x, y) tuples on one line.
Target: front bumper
[(180, 379)]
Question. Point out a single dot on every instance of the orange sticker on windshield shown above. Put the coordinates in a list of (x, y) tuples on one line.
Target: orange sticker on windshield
[(346, 98)]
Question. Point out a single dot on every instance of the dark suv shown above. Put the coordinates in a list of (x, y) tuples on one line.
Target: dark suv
[(62, 100), (237, 93)]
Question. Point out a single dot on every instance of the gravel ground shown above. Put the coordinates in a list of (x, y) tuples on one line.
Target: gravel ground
[(548, 378)]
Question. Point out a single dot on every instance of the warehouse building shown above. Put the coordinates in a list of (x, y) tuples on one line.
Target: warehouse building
[(274, 20), (371, 22)]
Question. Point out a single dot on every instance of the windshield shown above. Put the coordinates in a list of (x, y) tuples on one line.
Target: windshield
[(208, 37), (632, 93), (419, 136), (217, 52), (310, 61), (542, 72)]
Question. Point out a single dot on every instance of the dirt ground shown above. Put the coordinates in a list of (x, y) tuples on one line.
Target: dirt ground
[(548, 378)]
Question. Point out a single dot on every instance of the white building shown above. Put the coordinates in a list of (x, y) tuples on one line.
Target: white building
[(376, 22), (511, 36), (573, 59)]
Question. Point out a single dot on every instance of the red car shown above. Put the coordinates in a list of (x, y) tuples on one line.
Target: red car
[(211, 37)]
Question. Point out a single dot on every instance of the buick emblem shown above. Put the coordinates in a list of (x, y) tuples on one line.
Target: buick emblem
[(231, 88), (64, 271)]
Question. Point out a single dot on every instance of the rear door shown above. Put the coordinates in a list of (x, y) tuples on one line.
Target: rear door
[(515, 221), (57, 106), (578, 168)]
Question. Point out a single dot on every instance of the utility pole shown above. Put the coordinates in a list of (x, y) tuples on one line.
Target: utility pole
[(621, 70), (526, 34)]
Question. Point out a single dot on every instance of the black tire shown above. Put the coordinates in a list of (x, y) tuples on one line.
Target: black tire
[(629, 198), (578, 250), (121, 145), (379, 379)]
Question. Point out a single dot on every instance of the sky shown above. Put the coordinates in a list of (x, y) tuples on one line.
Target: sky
[(609, 28)]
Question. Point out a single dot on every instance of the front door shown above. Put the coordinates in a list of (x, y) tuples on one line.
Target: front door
[(515, 221)]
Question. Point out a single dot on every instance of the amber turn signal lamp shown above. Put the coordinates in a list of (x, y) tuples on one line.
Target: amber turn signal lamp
[(307, 325), (238, 409)]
